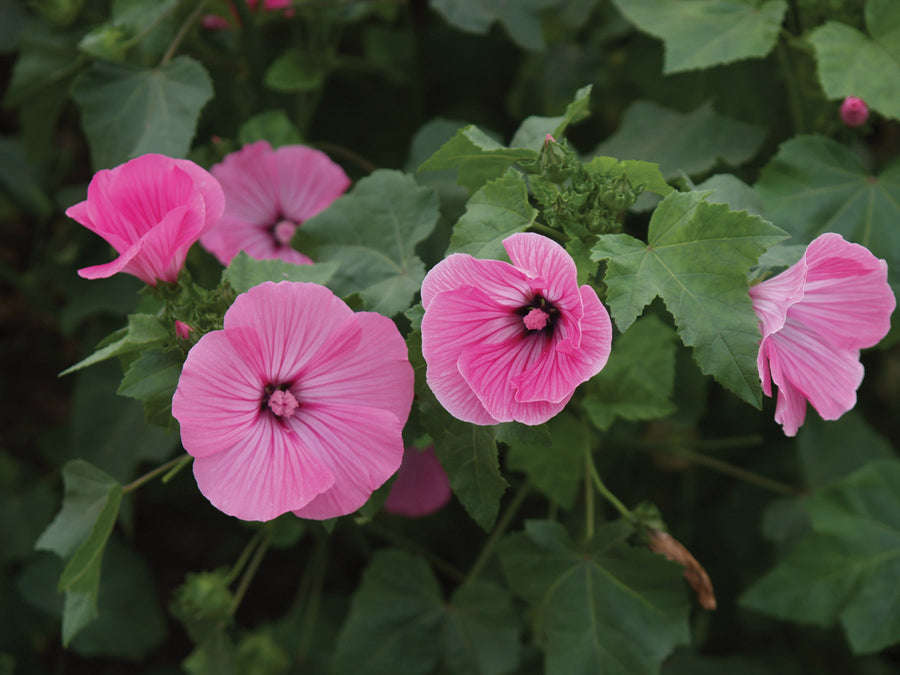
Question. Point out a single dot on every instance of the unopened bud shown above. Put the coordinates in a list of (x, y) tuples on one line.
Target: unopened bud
[(854, 111)]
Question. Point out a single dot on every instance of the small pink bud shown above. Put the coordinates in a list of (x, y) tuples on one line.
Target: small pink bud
[(549, 139), (854, 111), (182, 330)]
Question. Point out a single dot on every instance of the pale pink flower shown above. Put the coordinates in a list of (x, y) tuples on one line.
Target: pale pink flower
[(814, 318), (268, 195), (854, 111), (421, 486), (511, 342), (296, 405), (151, 210)]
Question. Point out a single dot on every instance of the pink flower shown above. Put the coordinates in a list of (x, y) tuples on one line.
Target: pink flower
[(854, 111), (151, 210), (217, 22), (297, 405), (421, 486), (511, 342), (814, 318), (269, 193)]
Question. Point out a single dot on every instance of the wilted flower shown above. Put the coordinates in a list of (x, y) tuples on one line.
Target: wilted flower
[(511, 342), (297, 405), (854, 111), (421, 486), (814, 318), (269, 193), (151, 210)]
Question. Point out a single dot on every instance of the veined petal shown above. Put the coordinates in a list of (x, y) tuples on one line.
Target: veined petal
[(827, 377), (308, 181), (250, 184), (364, 364), (502, 282), (543, 258), (773, 297), (278, 328), (361, 446), (455, 320), (268, 472), (554, 376), (214, 417)]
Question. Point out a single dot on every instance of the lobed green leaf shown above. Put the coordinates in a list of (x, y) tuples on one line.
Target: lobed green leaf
[(697, 259), (244, 272)]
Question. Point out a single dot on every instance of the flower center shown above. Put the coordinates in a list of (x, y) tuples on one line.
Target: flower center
[(282, 403), (538, 315), (283, 231), (536, 319)]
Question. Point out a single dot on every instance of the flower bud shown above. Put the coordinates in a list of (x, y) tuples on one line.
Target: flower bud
[(854, 111)]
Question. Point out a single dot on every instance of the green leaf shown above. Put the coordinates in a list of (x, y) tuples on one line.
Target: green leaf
[(128, 112), (299, 70), (690, 142), (557, 467), (704, 33), (636, 171), (521, 18), (244, 272), (728, 189), (846, 569), (152, 378), (372, 233), (478, 157), (400, 623), (500, 208), (815, 185), (144, 331), (87, 493), (273, 126), (853, 64), (829, 451), (468, 454), (80, 530), (129, 622), (609, 608), (637, 382), (697, 259), (533, 131)]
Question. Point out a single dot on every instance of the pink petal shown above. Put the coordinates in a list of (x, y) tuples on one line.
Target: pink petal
[(308, 181), (827, 377), (421, 487), (499, 280), (559, 371), (218, 398), (454, 321), (846, 295), (365, 363), (544, 259), (278, 328), (773, 297), (362, 446), (268, 472)]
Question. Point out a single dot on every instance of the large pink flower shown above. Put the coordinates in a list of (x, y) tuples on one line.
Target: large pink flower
[(269, 193), (297, 405), (421, 487), (814, 318), (511, 342), (151, 210)]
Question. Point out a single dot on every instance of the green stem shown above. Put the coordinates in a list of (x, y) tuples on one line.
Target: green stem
[(549, 232), (312, 608), (399, 540), (795, 100), (187, 459), (182, 33), (243, 558), (603, 490), (128, 44), (737, 472), (250, 573), (341, 151), (588, 496), (500, 528), (150, 475)]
